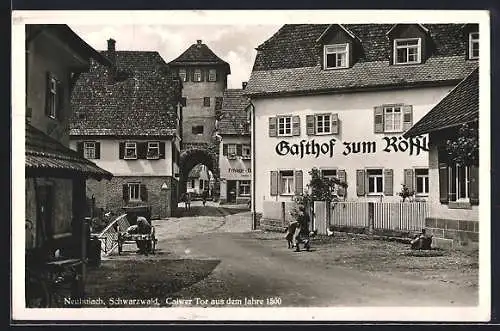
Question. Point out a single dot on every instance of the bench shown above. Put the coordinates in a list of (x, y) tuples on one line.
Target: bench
[(125, 238)]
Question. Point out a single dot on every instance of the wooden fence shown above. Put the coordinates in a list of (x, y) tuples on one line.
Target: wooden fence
[(405, 216), (109, 235)]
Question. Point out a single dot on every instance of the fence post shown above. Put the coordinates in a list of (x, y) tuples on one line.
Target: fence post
[(283, 213), (371, 217)]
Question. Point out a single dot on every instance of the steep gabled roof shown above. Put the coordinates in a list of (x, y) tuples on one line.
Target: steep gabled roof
[(140, 101), (233, 115), (45, 155), (458, 107), (199, 54), (290, 61)]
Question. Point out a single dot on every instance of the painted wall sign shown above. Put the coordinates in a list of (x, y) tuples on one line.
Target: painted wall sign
[(239, 171), (395, 144)]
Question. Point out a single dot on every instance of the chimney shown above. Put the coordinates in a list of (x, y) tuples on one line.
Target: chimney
[(198, 43), (112, 57), (244, 85)]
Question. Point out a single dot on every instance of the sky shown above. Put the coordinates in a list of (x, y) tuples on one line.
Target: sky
[(234, 44)]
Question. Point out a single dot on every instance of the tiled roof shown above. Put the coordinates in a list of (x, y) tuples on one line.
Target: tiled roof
[(233, 112), (46, 155), (290, 61), (361, 75), (197, 54), (459, 106), (141, 101)]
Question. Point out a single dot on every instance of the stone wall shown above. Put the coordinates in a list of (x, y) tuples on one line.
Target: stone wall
[(109, 194), (449, 232)]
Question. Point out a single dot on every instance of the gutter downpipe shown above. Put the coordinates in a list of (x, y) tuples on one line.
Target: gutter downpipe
[(251, 108)]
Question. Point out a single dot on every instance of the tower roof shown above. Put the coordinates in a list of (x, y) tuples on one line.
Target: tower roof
[(199, 54)]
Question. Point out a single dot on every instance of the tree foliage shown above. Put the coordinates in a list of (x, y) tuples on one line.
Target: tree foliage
[(463, 149)]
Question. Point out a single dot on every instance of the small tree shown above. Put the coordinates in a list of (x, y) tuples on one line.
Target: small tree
[(464, 148)]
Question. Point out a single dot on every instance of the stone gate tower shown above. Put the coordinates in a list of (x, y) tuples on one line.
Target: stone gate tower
[(204, 77)]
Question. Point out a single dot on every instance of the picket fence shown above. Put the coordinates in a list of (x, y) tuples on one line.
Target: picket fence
[(404, 216)]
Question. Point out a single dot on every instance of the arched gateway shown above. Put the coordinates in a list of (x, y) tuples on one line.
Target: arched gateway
[(206, 154)]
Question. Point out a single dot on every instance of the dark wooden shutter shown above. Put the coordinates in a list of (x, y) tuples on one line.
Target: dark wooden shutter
[(162, 150), (125, 192), (79, 148), (142, 149), (47, 93), (272, 126), (97, 150), (203, 74), (274, 183), (192, 74), (360, 182), (224, 149), (121, 147), (443, 182), (239, 150), (474, 185), (60, 101), (296, 125), (335, 123), (341, 174), (378, 119), (183, 101), (388, 182), (144, 193), (299, 185), (310, 125), (408, 178), (407, 117)]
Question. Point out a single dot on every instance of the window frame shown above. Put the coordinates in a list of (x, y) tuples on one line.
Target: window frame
[(316, 124), (244, 183), (368, 176), (284, 118), (425, 182), (396, 47), (197, 75), (183, 76), (130, 186), (212, 75), (205, 103), (229, 148), (393, 108), (457, 184), (473, 41), (128, 145), (198, 126), (288, 179), (247, 148), (151, 147), (86, 146), (52, 91), (345, 52)]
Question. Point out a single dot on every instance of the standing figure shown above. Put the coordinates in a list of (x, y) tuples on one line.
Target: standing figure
[(205, 195), (188, 200)]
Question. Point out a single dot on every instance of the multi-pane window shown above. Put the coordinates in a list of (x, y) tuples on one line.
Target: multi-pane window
[(206, 102), (89, 150), (336, 56), (130, 150), (212, 75), (375, 181), (244, 188), (134, 191), (474, 45), (52, 95), (198, 129), (153, 150), (458, 183), (231, 149), (286, 182), (393, 119), (285, 126), (246, 151), (407, 51), (323, 124), (183, 75), (422, 181), (197, 75), (329, 173)]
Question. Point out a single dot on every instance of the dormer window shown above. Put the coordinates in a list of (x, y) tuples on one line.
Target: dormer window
[(474, 45), (336, 56), (407, 51)]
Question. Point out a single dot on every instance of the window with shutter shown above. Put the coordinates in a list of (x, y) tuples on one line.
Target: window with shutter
[(224, 149), (407, 117), (443, 182), (239, 150), (79, 148), (274, 183), (142, 150), (143, 193), (272, 127), (295, 125), (378, 119), (134, 192), (97, 150), (125, 192), (310, 125), (408, 178), (51, 97), (474, 185), (153, 150), (341, 191), (89, 149), (360, 182), (285, 126), (375, 181), (421, 182), (286, 182), (60, 101), (162, 151), (388, 182), (335, 123), (130, 150)]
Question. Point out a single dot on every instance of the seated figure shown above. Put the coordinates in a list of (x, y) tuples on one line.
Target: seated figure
[(421, 241)]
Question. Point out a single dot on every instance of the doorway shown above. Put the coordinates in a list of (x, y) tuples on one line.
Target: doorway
[(231, 191)]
